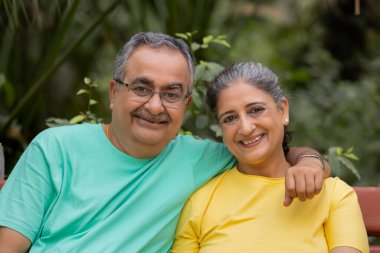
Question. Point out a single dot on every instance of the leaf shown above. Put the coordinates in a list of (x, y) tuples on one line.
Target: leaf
[(349, 165), (339, 150), (216, 129), (222, 42), (53, 122), (351, 156), (335, 164), (92, 102), (195, 46), (350, 150), (87, 80), (197, 101), (77, 119), (207, 39), (182, 36), (82, 91), (93, 85)]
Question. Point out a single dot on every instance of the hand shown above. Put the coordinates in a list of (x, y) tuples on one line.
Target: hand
[(303, 180)]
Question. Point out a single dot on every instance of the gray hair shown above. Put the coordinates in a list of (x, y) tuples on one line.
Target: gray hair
[(254, 74), (153, 40)]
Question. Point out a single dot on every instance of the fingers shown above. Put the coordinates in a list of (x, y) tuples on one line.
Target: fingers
[(302, 185), (310, 187), (290, 186), (318, 183), (288, 199)]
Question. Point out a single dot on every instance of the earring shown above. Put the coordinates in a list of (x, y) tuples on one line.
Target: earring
[(286, 121)]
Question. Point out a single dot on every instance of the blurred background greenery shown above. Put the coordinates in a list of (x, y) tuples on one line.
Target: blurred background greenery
[(327, 57)]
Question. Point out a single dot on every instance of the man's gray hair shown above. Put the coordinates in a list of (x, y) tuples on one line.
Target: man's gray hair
[(153, 40)]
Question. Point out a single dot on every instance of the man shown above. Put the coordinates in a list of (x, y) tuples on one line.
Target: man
[(121, 187)]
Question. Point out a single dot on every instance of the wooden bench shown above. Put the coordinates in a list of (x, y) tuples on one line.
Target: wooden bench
[(369, 200)]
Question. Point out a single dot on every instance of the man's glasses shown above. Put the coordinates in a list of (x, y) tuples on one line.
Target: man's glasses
[(171, 97)]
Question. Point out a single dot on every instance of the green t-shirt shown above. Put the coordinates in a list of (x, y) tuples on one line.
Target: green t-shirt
[(73, 191)]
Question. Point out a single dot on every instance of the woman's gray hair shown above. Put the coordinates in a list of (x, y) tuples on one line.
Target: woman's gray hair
[(153, 40), (254, 74)]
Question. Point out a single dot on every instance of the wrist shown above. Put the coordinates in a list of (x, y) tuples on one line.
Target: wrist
[(312, 156)]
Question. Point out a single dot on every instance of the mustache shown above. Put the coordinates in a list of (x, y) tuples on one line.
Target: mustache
[(144, 114)]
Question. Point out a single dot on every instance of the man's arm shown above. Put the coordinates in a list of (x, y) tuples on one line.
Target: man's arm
[(305, 178), (344, 250), (12, 241)]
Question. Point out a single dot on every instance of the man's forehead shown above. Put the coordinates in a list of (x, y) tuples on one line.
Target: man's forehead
[(160, 65)]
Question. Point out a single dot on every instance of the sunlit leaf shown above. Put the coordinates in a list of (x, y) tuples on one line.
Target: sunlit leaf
[(87, 80), (82, 91), (77, 119), (93, 102), (351, 156), (195, 46), (182, 36)]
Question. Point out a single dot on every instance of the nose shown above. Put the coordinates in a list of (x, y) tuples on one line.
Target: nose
[(247, 125), (154, 104)]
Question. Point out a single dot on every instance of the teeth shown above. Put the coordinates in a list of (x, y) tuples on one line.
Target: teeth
[(246, 142)]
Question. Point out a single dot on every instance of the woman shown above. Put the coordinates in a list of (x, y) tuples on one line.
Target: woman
[(240, 210)]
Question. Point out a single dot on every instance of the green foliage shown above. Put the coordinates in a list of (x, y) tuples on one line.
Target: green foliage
[(340, 159), (86, 116), (198, 117)]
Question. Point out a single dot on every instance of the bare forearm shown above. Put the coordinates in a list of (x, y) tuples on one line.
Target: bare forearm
[(12, 241), (344, 250)]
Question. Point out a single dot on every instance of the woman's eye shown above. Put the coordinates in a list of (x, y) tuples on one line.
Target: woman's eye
[(229, 119), (256, 111)]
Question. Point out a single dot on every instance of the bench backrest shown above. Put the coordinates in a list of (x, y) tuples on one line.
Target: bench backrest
[(369, 200)]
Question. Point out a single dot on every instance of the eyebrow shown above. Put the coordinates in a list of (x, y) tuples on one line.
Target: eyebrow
[(147, 81), (247, 106)]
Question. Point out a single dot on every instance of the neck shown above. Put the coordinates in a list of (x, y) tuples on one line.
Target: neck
[(273, 167)]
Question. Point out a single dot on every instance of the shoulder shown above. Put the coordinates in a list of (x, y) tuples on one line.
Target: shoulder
[(339, 190), (68, 131), (191, 142), (201, 196)]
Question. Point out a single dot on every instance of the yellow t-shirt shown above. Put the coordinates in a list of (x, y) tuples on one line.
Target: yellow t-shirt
[(236, 212)]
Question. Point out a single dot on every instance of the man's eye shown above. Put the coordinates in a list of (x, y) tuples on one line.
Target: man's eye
[(141, 90), (171, 96)]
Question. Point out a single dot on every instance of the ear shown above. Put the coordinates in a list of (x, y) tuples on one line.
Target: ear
[(284, 109), (189, 99), (112, 89)]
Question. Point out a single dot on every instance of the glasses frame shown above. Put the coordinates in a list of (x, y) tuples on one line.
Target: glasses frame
[(184, 96)]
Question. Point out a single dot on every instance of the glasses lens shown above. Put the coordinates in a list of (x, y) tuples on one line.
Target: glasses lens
[(171, 97), (141, 91)]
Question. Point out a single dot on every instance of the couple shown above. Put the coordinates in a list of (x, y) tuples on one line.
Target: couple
[(121, 187)]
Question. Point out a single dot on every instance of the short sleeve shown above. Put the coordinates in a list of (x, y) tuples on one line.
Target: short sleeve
[(27, 194), (186, 238), (345, 225)]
